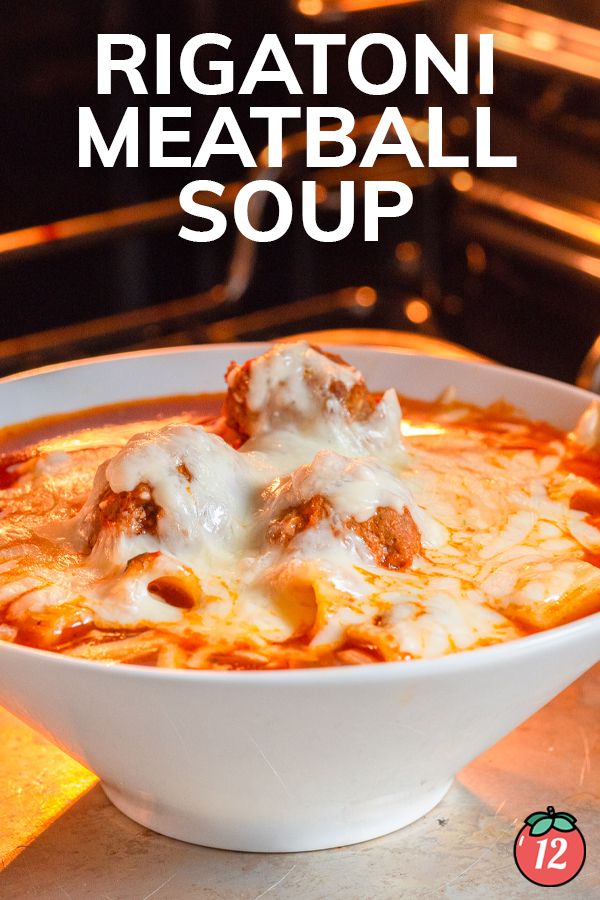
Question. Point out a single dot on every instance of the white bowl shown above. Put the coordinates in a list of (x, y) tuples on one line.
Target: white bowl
[(285, 760)]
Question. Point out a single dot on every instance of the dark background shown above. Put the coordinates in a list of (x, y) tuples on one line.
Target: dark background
[(506, 263)]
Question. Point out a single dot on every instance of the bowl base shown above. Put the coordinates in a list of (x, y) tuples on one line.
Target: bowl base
[(277, 837)]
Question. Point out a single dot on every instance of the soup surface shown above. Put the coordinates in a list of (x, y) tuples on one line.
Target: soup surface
[(298, 520)]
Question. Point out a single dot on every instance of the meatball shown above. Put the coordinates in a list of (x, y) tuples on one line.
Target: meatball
[(392, 537), (237, 415), (358, 402), (132, 512), (294, 521), (297, 381), (349, 497), (180, 490)]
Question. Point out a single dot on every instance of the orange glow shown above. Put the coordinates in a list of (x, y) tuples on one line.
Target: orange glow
[(542, 40), (476, 258), (462, 181), (420, 131), (577, 225), (366, 296), (588, 264), (458, 126), (534, 37), (325, 7), (410, 430), (310, 7), (321, 193), (99, 224), (417, 311), (39, 782), (408, 252), (556, 743), (404, 341)]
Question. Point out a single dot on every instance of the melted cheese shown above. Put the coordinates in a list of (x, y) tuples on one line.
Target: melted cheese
[(502, 550), (291, 400), (356, 488), (204, 488), (587, 430)]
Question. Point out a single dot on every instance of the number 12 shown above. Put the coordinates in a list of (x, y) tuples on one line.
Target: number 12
[(562, 845)]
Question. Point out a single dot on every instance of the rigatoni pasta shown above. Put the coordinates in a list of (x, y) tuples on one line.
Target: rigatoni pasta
[(310, 522)]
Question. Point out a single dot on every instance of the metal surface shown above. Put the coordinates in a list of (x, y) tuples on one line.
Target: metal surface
[(384, 337), (532, 37), (189, 320), (103, 225), (335, 9), (38, 782), (462, 849)]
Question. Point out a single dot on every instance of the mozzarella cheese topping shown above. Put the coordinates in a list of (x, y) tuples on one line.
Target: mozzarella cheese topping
[(202, 486), (587, 430), (299, 399), (326, 529)]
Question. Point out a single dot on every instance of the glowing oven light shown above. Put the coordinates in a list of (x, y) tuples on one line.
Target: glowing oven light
[(332, 7), (533, 36), (310, 7), (424, 428), (541, 40), (365, 296), (417, 311), (462, 181)]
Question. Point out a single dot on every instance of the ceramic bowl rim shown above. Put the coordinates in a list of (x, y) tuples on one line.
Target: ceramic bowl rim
[(465, 660)]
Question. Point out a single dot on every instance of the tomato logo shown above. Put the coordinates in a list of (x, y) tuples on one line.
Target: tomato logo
[(550, 849)]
